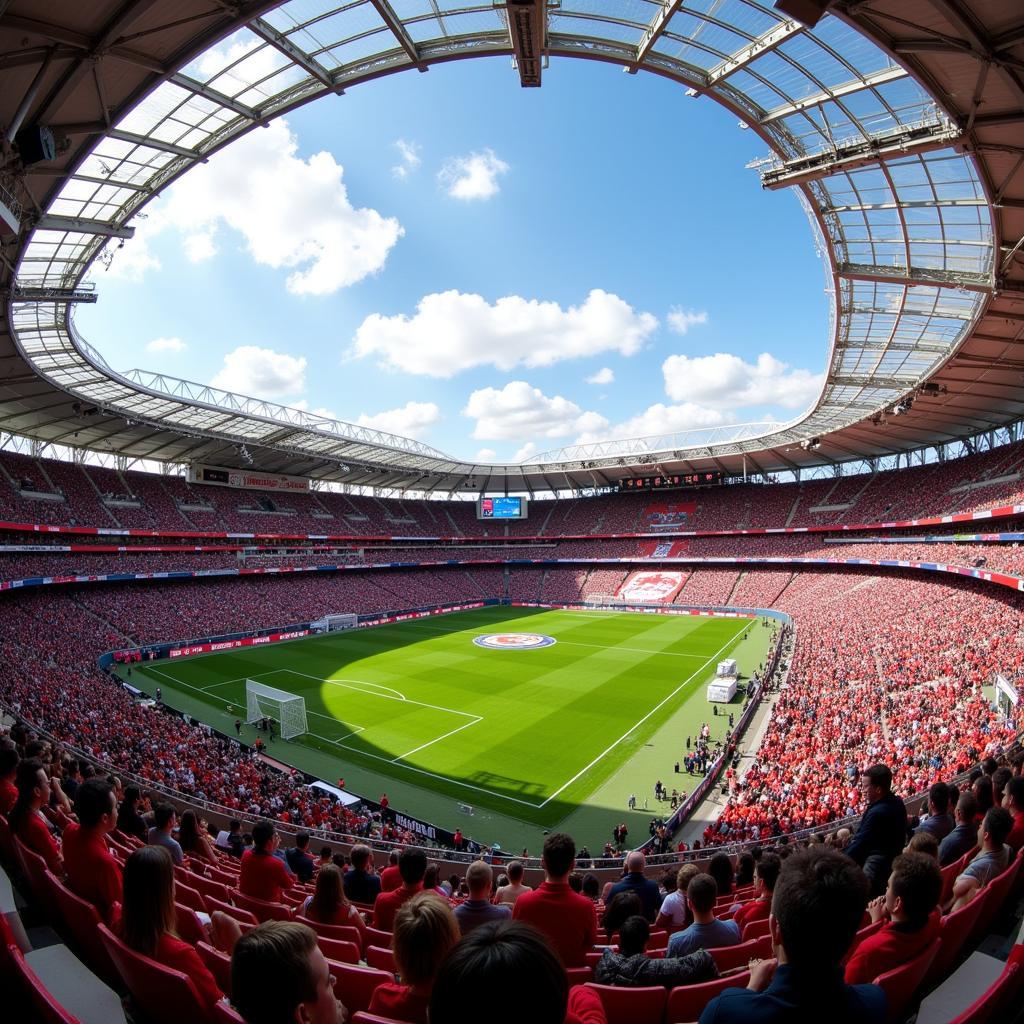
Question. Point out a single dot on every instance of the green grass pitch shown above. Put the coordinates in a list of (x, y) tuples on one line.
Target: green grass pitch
[(529, 734)]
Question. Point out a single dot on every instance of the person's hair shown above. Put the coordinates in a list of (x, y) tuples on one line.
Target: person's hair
[(425, 932), (393, 857), (576, 881), (818, 904), (301, 840), (702, 893), (982, 790), (998, 823), (558, 854), (8, 760), (720, 869), (917, 881), (25, 781), (188, 831), (262, 834), (234, 825), (270, 971), (148, 910), (685, 875), (967, 806), (1015, 789), (989, 765), (412, 866), (745, 869), (496, 958), (328, 896), (633, 935), (430, 877), (163, 815), (1000, 778), (768, 868), (515, 871), (621, 906), (360, 856), (880, 776), (327, 852), (924, 842), (92, 801), (591, 885), (938, 796), (479, 876)]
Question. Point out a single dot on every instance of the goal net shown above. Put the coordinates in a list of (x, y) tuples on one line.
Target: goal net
[(330, 623), (262, 701)]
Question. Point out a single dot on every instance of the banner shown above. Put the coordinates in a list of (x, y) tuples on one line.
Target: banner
[(246, 479)]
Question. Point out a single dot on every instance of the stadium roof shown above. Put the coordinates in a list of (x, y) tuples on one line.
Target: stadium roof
[(900, 122)]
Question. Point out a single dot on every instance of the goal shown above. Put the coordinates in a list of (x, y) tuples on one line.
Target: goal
[(331, 623), (262, 701)]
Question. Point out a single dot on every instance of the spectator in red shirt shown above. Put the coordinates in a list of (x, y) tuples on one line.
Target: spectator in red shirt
[(279, 974), (425, 932), (766, 874), (568, 919), (261, 874), (26, 821), (8, 770), (507, 968), (148, 919), (391, 877), (412, 866), (92, 872), (911, 904), (1013, 801)]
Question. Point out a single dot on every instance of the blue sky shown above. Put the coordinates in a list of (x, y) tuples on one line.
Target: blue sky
[(352, 259)]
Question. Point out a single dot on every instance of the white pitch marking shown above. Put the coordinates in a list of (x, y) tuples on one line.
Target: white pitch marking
[(423, 746)]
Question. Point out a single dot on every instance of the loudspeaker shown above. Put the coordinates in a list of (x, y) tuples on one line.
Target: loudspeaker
[(35, 144)]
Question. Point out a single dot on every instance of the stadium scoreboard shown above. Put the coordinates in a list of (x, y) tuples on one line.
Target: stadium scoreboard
[(710, 477), (501, 507)]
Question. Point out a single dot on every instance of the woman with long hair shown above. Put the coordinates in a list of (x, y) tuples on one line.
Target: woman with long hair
[(330, 905), (425, 932), (148, 919), (193, 839)]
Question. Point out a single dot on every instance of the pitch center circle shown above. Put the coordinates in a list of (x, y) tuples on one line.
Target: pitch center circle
[(513, 641)]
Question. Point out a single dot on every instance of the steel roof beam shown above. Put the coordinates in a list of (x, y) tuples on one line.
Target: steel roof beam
[(397, 28), (215, 96), (908, 141), (283, 44), (914, 276), (868, 82), (764, 43), (151, 143), (653, 31), (528, 30), (910, 204), (83, 226)]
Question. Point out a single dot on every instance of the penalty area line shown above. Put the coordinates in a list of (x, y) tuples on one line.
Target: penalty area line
[(430, 743)]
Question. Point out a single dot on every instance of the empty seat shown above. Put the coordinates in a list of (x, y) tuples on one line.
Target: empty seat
[(728, 957), (47, 1008), (755, 929), (80, 920), (997, 1000), (338, 949), (954, 932), (262, 909), (219, 964), (355, 986), (631, 1005), (381, 959), (687, 1002)]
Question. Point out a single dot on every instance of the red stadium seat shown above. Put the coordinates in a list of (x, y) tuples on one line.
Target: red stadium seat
[(345, 932), (954, 931), (377, 937), (262, 909), (579, 975), (372, 1018), (80, 920), (225, 1014), (381, 959), (47, 1009), (219, 964), (686, 1002), (39, 877), (631, 1005), (996, 1003), (164, 996), (7, 854), (902, 983), (188, 925), (338, 949), (238, 913), (355, 986), (728, 957), (995, 895), (755, 929), (209, 887), (189, 897)]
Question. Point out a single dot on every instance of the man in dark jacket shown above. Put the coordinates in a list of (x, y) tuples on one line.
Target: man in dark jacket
[(883, 828), (632, 968), (635, 881)]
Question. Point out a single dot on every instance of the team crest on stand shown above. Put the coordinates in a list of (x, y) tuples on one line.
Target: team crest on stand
[(513, 641)]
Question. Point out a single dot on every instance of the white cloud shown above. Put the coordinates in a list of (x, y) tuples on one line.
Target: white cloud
[(681, 320), (723, 380), (519, 410), (409, 152), (166, 345), (293, 213), (453, 331), (412, 420), (660, 419), (525, 452), (261, 373), (603, 376), (474, 176), (485, 455)]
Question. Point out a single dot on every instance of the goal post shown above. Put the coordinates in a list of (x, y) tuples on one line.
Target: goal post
[(334, 622), (262, 701)]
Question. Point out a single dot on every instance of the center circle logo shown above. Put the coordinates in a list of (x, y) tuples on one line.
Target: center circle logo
[(513, 641)]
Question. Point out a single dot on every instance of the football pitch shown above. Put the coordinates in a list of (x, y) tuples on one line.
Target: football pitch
[(528, 729)]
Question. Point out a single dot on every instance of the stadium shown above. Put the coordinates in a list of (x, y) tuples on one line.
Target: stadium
[(718, 721)]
